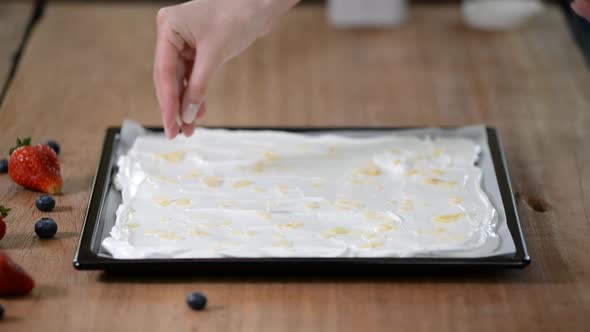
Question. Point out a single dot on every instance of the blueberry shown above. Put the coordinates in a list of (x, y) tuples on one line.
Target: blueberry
[(54, 146), (3, 166), (45, 203), (196, 301), (1, 312), (45, 228)]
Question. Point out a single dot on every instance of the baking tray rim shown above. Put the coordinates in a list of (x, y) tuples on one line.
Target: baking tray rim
[(86, 259)]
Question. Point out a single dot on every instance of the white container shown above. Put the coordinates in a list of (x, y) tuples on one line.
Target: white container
[(367, 13), (497, 15)]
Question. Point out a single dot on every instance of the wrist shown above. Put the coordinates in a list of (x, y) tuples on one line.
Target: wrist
[(273, 9)]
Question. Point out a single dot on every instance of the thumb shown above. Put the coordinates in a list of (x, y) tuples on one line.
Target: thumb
[(207, 61)]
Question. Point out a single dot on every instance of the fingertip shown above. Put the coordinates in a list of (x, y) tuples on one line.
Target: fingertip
[(168, 133), (188, 129), (170, 128), (173, 131)]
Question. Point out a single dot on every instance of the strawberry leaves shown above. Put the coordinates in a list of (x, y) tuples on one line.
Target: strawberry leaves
[(4, 211), (19, 143)]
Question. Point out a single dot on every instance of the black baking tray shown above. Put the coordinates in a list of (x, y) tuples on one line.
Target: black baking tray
[(88, 256)]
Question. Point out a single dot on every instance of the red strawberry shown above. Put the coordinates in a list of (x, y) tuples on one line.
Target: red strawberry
[(35, 167), (13, 279), (3, 214)]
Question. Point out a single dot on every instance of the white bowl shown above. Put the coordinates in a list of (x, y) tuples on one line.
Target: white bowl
[(497, 15), (367, 13)]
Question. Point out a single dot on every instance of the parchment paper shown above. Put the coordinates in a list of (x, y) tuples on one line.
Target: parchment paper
[(501, 243)]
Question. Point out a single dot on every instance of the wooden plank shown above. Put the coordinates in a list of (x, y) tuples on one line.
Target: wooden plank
[(14, 18), (532, 84)]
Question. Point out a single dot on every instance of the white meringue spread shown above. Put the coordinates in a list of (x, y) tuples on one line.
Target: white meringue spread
[(225, 193)]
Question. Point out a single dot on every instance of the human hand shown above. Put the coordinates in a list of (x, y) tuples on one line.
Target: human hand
[(196, 38), (582, 8)]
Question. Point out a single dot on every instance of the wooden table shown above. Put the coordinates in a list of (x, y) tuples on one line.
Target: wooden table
[(14, 19), (89, 66)]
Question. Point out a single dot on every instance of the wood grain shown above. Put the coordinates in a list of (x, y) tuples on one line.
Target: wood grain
[(14, 18), (88, 66)]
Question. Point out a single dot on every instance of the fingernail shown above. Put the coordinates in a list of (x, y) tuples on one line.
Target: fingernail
[(190, 113), (171, 132)]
